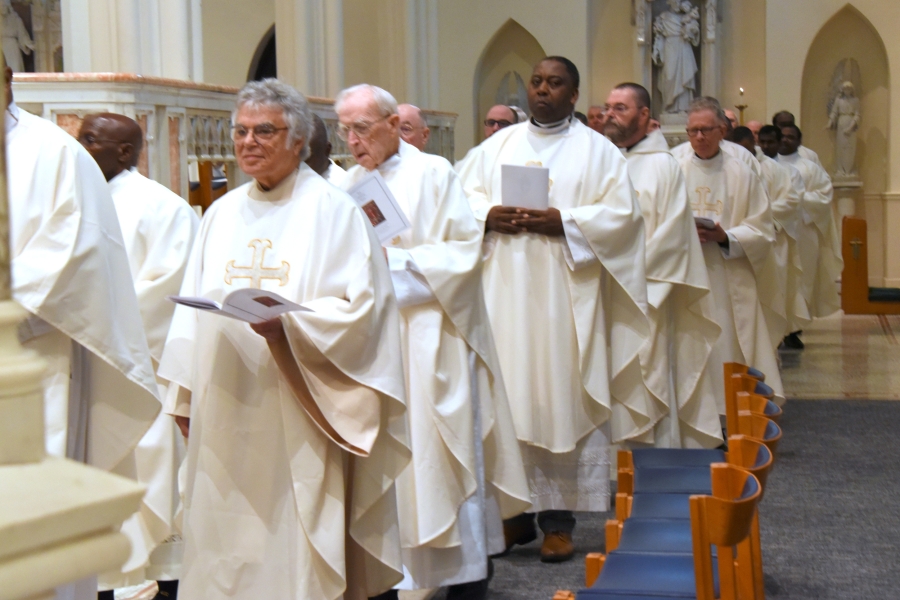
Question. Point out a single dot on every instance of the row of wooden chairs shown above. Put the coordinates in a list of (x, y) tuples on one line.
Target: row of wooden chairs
[(686, 521)]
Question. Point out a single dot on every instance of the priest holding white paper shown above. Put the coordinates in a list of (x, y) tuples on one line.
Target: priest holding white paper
[(466, 470), (297, 424), (158, 228), (567, 299), (683, 328), (71, 272), (723, 189)]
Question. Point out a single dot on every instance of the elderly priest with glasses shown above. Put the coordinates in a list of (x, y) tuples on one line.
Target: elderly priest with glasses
[(296, 424), (466, 466)]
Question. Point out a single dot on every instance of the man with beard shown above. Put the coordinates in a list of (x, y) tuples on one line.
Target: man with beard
[(682, 326), (544, 276)]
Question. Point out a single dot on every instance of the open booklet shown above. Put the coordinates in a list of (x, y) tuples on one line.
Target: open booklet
[(376, 200), (248, 304), (525, 187)]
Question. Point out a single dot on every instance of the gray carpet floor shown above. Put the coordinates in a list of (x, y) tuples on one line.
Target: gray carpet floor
[(830, 519)]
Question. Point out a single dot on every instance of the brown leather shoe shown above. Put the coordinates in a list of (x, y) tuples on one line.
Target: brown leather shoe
[(557, 547)]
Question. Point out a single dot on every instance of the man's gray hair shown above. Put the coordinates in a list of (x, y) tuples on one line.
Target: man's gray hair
[(708, 103), (384, 101), (275, 93)]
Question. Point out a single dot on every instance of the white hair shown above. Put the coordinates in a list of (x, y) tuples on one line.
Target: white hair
[(275, 93), (384, 101)]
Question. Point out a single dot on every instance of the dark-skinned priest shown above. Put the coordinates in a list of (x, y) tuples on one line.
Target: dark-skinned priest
[(683, 329), (567, 299), (466, 469), (297, 424)]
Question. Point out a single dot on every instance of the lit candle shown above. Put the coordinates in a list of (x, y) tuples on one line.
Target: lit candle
[(742, 91)]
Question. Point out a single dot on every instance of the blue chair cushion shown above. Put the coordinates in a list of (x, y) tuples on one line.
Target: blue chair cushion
[(656, 536), (675, 457), (660, 506), (669, 575), (756, 373), (763, 390), (673, 480)]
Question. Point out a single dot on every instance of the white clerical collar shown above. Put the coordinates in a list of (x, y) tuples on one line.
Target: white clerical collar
[(791, 158), (718, 158), (119, 179), (11, 116), (549, 128)]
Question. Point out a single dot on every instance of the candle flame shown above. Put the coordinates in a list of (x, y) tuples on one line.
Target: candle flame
[(742, 91)]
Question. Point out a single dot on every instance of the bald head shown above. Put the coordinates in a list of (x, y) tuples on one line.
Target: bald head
[(115, 142), (413, 128), (755, 126), (319, 147)]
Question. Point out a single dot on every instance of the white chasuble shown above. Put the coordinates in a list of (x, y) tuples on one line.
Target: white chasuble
[(436, 268), (725, 190), (785, 202), (568, 313), (266, 485), (820, 242), (684, 151), (158, 228), (682, 322), (70, 271)]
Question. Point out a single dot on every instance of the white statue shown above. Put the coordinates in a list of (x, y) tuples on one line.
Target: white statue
[(15, 37), (675, 33), (844, 120)]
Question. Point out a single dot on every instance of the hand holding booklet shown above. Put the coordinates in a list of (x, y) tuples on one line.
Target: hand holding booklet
[(705, 223), (525, 187), (248, 304), (376, 200)]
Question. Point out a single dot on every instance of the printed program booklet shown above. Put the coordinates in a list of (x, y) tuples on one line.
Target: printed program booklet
[(376, 200), (248, 304), (525, 187), (705, 223)]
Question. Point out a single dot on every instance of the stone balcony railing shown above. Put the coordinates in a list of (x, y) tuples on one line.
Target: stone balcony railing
[(184, 123)]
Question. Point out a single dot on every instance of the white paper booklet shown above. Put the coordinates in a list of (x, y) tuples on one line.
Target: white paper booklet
[(525, 187), (376, 200), (247, 304)]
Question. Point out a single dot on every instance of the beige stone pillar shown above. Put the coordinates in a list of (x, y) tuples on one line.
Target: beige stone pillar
[(159, 38), (309, 45)]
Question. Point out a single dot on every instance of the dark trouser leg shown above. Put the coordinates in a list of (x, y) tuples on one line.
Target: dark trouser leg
[(388, 595), (107, 595), (168, 590), (561, 521)]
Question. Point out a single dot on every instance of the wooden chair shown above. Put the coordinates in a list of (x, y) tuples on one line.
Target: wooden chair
[(722, 519), (733, 368), (857, 298)]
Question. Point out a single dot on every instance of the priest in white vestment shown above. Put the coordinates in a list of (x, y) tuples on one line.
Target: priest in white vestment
[(682, 325), (820, 242), (567, 299), (158, 228), (297, 424), (414, 129), (784, 119), (736, 249), (320, 155), (466, 470), (71, 272), (785, 189)]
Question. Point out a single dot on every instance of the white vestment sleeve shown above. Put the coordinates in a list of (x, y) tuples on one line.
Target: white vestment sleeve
[(577, 249), (734, 249), (410, 285)]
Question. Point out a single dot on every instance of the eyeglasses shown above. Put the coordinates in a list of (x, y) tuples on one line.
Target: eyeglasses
[(616, 108), (695, 131), (494, 123), (362, 129), (261, 133)]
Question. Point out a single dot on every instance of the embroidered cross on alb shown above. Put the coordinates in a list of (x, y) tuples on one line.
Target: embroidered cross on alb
[(256, 272)]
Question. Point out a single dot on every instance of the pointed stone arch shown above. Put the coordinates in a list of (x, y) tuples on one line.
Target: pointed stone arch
[(264, 62), (507, 59)]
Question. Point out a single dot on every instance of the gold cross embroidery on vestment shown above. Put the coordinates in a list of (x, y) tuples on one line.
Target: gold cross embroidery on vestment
[(703, 204), (256, 272)]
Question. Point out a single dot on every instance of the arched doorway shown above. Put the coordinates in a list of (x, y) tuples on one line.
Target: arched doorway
[(503, 70), (264, 62)]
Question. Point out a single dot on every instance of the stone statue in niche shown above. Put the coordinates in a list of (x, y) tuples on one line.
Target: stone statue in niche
[(675, 33), (844, 120), (16, 39)]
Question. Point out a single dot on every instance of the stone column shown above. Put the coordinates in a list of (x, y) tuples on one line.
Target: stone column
[(160, 38), (309, 45), (422, 53)]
